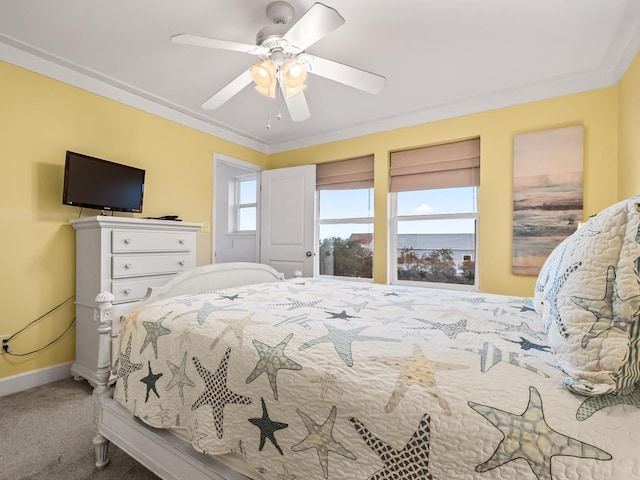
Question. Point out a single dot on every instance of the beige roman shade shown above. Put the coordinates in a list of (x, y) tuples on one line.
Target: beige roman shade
[(441, 166), (345, 174)]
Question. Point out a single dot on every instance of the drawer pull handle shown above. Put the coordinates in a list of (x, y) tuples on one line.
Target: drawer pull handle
[(181, 241), (127, 241), (127, 291), (127, 266), (181, 263)]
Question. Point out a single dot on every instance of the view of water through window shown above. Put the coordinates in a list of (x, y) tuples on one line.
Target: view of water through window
[(436, 234)]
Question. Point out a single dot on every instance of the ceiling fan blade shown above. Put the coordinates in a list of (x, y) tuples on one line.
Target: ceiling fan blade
[(296, 104), (228, 91), (187, 39), (354, 77), (317, 22)]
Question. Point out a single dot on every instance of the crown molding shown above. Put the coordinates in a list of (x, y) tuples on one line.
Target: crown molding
[(38, 61), (615, 62)]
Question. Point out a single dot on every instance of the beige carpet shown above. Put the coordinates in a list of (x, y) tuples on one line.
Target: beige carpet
[(46, 432)]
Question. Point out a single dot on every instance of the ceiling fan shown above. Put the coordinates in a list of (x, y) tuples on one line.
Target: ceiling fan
[(283, 62)]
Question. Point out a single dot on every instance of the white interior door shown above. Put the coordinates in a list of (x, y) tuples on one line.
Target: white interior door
[(287, 219)]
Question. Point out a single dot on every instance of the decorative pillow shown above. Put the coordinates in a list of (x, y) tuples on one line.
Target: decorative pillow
[(588, 293)]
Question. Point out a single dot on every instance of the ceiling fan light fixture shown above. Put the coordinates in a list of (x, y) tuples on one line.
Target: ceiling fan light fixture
[(264, 74), (291, 91), (295, 74), (267, 91)]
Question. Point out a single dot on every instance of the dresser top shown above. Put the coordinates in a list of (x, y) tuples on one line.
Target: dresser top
[(108, 221)]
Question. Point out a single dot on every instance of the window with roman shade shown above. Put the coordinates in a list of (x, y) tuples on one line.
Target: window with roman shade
[(345, 217), (449, 165), (433, 201), (345, 174)]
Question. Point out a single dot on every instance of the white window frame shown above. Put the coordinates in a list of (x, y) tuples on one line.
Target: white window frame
[(236, 206), (337, 221), (393, 245)]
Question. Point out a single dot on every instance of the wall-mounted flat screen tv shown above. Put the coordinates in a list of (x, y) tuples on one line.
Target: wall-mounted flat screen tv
[(95, 183)]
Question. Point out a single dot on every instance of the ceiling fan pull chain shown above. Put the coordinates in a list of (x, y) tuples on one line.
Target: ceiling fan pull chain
[(279, 101), (268, 115)]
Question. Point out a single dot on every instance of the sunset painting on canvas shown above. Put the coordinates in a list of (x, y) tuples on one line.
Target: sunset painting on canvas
[(547, 193)]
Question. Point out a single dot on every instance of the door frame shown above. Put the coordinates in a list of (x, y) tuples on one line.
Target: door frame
[(219, 158)]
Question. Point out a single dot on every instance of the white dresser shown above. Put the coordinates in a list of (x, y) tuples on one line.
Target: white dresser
[(124, 256)]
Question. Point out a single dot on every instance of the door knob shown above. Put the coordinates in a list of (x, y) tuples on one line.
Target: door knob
[(309, 254)]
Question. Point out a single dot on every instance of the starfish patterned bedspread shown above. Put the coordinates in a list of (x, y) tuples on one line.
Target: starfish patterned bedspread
[(325, 379)]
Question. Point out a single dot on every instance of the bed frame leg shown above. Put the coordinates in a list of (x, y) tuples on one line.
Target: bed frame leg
[(102, 315), (101, 446)]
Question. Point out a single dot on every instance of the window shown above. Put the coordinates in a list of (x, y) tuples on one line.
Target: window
[(244, 204), (435, 236), (434, 215), (345, 218)]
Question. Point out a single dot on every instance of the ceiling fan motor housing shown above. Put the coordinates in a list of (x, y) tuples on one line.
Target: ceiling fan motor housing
[(270, 36), (279, 12)]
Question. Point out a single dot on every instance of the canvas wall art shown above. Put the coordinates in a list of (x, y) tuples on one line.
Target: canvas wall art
[(547, 193)]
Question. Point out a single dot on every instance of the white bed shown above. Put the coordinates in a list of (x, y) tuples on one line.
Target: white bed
[(162, 452), (427, 384), (310, 378)]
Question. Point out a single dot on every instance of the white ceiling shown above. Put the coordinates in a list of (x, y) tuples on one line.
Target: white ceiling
[(441, 58)]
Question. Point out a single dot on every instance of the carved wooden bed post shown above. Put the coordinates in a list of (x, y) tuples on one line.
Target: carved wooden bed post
[(103, 315)]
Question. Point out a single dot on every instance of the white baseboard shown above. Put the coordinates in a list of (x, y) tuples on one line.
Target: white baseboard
[(28, 380)]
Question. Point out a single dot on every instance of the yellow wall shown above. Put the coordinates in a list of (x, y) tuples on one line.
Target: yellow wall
[(40, 119), (629, 131), (596, 110)]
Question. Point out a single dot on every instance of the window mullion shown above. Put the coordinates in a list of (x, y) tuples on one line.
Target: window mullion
[(332, 221), (437, 216)]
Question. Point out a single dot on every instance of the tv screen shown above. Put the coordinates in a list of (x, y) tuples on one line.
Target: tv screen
[(95, 183)]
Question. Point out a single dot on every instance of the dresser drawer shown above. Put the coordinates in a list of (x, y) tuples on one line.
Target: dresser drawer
[(132, 290), (129, 241), (123, 266)]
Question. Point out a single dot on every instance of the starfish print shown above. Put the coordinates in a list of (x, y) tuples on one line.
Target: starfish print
[(285, 475), (526, 308), (235, 325), (602, 309), (342, 340), (321, 438), (163, 414), (154, 330), (197, 435), (150, 381), (552, 297), (410, 462), (342, 315), (490, 356), (417, 370), (451, 330), (522, 328), (187, 301), (271, 360), (404, 304), (472, 300), (179, 377), (593, 404), (328, 382), (358, 306), (216, 393), (126, 367), (206, 310), (230, 297), (267, 428), (528, 436), (295, 304), (296, 319), (527, 345)]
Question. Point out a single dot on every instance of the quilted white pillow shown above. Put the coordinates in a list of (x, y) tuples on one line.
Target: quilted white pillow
[(588, 293)]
